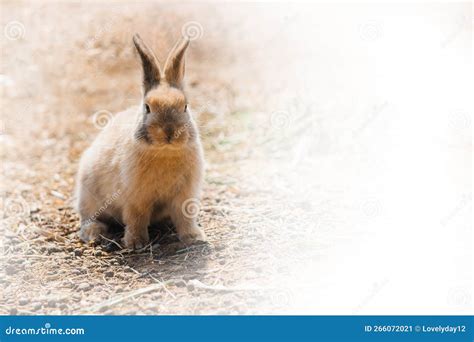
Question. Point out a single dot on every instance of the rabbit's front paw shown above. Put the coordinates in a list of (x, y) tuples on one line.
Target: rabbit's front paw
[(193, 237), (92, 230), (133, 240)]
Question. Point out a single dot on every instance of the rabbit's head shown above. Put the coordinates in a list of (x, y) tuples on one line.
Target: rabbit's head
[(165, 119)]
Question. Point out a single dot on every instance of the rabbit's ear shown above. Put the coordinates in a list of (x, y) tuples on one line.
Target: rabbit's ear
[(151, 69), (174, 66)]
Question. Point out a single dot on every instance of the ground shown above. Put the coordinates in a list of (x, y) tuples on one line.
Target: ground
[(318, 194)]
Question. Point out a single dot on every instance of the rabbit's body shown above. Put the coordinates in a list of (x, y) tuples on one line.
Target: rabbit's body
[(142, 167)]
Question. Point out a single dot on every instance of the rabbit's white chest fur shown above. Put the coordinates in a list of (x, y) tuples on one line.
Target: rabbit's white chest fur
[(119, 174), (142, 175), (159, 175)]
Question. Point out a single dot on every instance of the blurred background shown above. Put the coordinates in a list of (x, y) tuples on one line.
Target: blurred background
[(338, 147)]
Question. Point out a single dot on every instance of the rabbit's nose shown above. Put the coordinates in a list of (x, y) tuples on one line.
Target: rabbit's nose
[(169, 132)]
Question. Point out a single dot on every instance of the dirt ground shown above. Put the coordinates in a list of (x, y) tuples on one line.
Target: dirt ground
[(301, 145), (70, 68)]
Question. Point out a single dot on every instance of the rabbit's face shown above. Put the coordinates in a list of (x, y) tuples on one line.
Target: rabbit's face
[(166, 121)]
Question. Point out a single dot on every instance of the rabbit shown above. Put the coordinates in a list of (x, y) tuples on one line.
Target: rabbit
[(147, 163)]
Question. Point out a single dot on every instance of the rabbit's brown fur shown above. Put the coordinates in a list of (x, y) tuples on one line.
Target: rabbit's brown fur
[(149, 160)]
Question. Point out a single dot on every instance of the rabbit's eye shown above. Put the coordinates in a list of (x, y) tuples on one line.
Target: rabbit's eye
[(147, 109)]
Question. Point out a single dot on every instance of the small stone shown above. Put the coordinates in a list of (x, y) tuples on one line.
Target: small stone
[(53, 249), (34, 209), (77, 252), (13, 311), (180, 283), (190, 287), (37, 306), (109, 274), (52, 303), (155, 297), (103, 308), (84, 286), (10, 270), (23, 301)]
